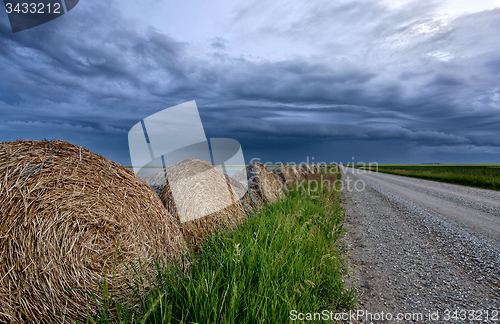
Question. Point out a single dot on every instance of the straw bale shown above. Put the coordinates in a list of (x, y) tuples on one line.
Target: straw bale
[(251, 199), (307, 169), (299, 170), (156, 180), (254, 200), (72, 219), (202, 198), (285, 173), (315, 168), (247, 200), (266, 183), (241, 176)]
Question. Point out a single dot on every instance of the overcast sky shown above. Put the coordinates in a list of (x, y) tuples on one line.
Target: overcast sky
[(380, 81)]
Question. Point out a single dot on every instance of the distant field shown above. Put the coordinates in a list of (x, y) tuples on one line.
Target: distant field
[(474, 175)]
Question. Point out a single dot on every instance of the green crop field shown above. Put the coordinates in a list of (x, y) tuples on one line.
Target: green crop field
[(474, 175), (285, 257)]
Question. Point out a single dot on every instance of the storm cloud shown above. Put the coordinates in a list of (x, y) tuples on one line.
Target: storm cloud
[(289, 81)]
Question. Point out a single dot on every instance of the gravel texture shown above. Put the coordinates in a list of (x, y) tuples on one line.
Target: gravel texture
[(417, 247)]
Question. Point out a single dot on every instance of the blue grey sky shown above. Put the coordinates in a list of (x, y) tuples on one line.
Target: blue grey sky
[(380, 81)]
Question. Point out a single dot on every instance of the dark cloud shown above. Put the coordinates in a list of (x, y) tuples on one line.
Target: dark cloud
[(396, 79), (219, 43), (446, 80), (493, 66)]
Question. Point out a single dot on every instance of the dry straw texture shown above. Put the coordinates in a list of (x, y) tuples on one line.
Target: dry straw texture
[(263, 181), (300, 171), (65, 222), (307, 169), (297, 171), (285, 173), (316, 168), (247, 199), (252, 199), (156, 180), (202, 198)]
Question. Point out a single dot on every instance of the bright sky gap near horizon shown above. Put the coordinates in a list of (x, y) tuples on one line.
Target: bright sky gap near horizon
[(383, 81)]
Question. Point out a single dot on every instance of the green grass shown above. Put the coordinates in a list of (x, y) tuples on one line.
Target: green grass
[(480, 176), (285, 257)]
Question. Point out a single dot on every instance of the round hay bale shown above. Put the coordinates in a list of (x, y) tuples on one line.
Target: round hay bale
[(70, 220), (251, 199), (248, 200), (202, 198), (156, 180), (241, 176), (296, 170), (299, 171), (266, 183), (285, 173), (306, 169), (315, 168)]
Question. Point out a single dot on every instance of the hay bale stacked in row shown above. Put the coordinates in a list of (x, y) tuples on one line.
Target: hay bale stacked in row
[(202, 198), (297, 171), (264, 182), (313, 168), (285, 173), (292, 173), (289, 174), (307, 169), (252, 199), (300, 171), (316, 168), (247, 200), (69, 220), (156, 180)]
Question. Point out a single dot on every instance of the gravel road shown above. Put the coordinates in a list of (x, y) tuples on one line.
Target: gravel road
[(421, 247)]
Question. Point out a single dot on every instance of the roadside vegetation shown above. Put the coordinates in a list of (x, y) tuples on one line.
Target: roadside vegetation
[(480, 176), (287, 256)]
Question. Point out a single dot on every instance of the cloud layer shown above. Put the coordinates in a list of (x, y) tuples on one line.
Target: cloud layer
[(286, 80)]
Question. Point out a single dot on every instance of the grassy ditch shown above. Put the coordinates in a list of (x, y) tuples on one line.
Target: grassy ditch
[(286, 257), (480, 176)]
